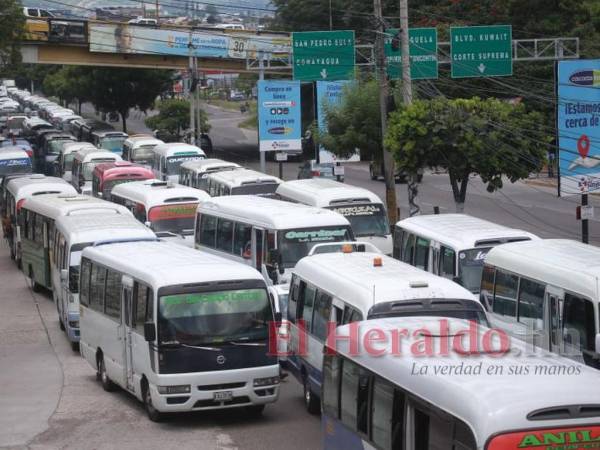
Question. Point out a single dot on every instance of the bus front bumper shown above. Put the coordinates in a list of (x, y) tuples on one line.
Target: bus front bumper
[(216, 390)]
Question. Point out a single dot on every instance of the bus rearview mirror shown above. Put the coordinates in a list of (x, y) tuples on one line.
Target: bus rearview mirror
[(64, 275), (149, 332)]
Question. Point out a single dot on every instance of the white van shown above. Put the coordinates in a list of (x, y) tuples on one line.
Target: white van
[(139, 149), (451, 245), (195, 173), (179, 329), (84, 162), (64, 162), (341, 288), (363, 209), (169, 157), (546, 292), (242, 182), (168, 209)]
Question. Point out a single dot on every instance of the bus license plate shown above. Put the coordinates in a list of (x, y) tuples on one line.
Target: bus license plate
[(223, 396)]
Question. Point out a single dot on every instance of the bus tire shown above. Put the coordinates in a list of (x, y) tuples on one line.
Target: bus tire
[(107, 385), (372, 173), (13, 254), (310, 400), (255, 410), (153, 414), (61, 324), (75, 346), (35, 286)]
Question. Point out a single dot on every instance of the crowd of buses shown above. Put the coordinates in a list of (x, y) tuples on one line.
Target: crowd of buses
[(168, 270)]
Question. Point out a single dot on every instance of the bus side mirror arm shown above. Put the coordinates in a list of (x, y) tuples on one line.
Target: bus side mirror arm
[(149, 332)]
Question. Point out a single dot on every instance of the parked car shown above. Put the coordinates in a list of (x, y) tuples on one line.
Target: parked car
[(376, 172), (312, 169)]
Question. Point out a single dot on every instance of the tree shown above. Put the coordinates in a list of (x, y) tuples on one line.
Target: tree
[(355, 123), (69, 84), (122, 89), (489, 138), (11, 24), (174, 117)]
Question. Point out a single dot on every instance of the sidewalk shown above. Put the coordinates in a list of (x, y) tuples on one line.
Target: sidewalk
[(30, 375)]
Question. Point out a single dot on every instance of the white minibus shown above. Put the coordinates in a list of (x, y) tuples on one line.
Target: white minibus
[(169, 157), (340, 288), (74, 232), (270, 235), (547, 293), (181, 330), (451, 245), (166, 208), (387, 398), (13, 160), (84, 162), (194, 173), (363, 209), (17, 191), (36, 229), (241, 182), (138, 149), (64, 162)]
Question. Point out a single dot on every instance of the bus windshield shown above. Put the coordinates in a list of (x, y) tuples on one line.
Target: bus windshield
[(366, 220), (466, 314), (470, 266), (209, 318), (143, 154), (88, 167), (174, 162), (109, 185), (112, 144), (295, 244), (68, 161), (255, 189), (55, 146), (178, 219), (17, 165)]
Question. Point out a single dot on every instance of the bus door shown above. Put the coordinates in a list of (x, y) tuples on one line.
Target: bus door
[(258, 242), (128, 325), (554, 306)]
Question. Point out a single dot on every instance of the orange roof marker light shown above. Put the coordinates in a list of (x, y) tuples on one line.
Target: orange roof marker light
[(377, 261), (347, 248)]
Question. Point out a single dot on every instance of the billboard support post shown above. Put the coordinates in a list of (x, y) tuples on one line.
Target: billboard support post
[(261, 76), (585, 233)]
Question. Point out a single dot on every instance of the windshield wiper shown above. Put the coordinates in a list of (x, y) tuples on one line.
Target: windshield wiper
[(177, 344)]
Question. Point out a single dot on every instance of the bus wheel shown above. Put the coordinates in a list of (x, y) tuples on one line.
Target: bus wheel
[(107, 385), (75, 346), (35, 286), (61, 324), (310, 401), (153, 414)]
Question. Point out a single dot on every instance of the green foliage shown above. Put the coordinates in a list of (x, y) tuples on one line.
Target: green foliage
[(69, 83), (11, 30), (174, 116), (356, 123), (489, 138)]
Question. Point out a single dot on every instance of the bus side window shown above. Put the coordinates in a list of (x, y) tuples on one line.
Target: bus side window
[(321, 315), (225, 235), (84, 282), (112, 304), (447, 267), (208, 230), (382, 409), (408, 247), (242, 244), (531, 303), (349, 394), (422, 254), (351, 315), (331, 385), (97, 280), (505, 294), (293, 299), (579, 328), (306, 304)]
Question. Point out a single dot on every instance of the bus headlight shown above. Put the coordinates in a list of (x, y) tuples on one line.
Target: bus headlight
[(181, 389), (269, 381)]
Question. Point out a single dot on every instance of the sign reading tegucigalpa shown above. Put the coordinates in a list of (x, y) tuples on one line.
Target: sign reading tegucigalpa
[(323, 55), (484, 51)]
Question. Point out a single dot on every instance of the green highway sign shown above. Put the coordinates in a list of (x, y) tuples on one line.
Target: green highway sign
[(484, 51), (323, 55), (423, 54)]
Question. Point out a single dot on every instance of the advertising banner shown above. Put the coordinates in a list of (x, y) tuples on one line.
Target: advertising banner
[(579, 126), (125, 38), (330, 93), (279, 116)]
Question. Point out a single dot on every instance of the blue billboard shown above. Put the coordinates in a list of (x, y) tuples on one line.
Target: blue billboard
[(279, 116), (330, 93), (579, 126)]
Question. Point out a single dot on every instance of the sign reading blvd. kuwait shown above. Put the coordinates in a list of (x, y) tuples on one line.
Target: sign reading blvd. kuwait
[(578, 124), (279, 116), (323, 55), (484, 51), (423, 54)]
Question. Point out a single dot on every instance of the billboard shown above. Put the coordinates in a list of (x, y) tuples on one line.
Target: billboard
[(279, 116), (125, 38), (330, 93), (579, 126)]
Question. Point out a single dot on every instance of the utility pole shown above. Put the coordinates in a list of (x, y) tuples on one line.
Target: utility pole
[(261, 76), (585, 230), (157, 14), (330, 17), (385, 106), (191, 91), (407, 98)]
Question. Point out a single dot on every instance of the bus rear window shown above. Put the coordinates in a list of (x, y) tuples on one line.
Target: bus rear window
[(173, 218), (573, 438)]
